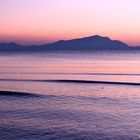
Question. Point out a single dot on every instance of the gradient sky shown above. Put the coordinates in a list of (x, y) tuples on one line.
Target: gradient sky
[(41, 21)]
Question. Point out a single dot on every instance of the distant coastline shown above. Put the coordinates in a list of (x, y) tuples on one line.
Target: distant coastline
[(92, 43)]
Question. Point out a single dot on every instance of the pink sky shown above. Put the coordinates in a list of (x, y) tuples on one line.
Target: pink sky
[(42, 21)]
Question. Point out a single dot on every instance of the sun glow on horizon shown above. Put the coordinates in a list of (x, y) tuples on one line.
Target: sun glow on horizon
[(42, 21)]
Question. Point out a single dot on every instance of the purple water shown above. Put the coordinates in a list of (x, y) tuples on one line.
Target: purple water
[(62, 105)]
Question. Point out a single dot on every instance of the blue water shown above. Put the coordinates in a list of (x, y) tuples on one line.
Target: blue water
[(70, 96)]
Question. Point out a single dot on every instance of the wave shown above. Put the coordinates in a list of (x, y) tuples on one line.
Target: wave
[(92, 82), (17, 94), (73, 81)]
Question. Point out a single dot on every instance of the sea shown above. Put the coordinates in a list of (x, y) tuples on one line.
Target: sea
[(70, 95)]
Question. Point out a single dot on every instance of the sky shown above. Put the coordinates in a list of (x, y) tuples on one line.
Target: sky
[(43, 21)]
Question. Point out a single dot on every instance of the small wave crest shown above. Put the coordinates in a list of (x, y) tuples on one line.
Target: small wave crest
[(73, 81), (17, 94)]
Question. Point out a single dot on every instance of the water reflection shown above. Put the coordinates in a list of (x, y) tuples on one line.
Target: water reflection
[(70, 110)]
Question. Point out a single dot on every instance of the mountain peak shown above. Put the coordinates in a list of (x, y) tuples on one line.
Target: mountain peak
[(95, 42), (98, 37)]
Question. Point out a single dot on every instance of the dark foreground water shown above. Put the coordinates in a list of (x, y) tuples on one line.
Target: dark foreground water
[(60, 96)]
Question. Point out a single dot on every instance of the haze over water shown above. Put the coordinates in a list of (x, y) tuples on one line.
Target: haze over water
[(59, 96)]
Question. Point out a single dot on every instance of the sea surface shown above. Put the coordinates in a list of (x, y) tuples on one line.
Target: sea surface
[(70, 96)]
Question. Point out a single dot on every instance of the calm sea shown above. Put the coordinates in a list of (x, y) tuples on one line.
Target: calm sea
[(70, 96)]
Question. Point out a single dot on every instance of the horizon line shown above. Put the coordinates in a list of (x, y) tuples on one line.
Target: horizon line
[(47, 43)]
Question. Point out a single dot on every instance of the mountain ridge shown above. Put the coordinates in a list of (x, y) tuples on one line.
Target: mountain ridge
[(91, 43)]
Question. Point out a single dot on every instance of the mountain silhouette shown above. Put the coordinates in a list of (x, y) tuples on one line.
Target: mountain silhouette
[(87, 43)]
